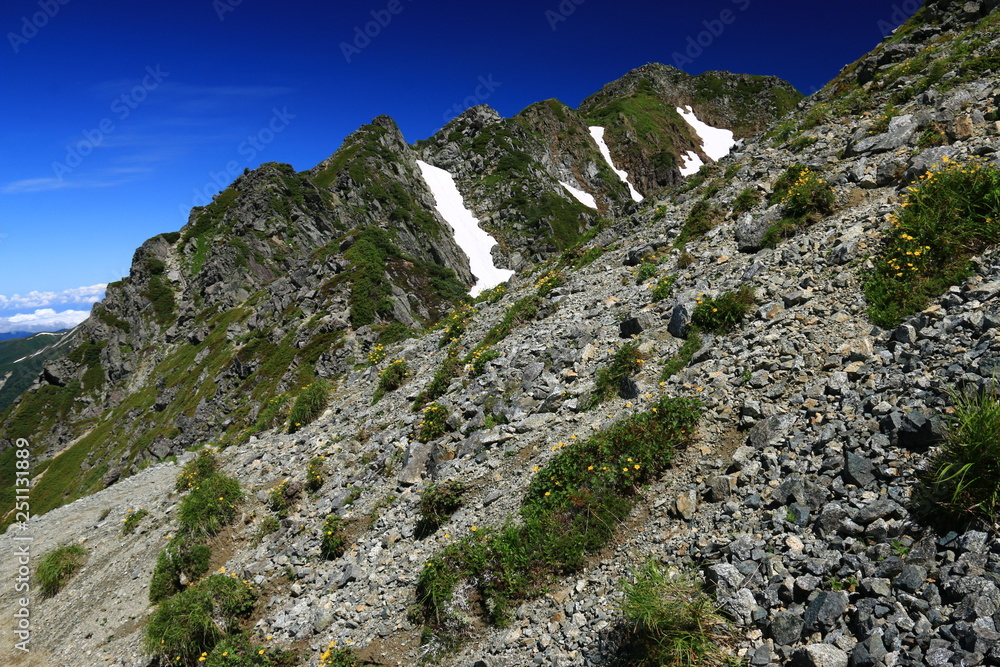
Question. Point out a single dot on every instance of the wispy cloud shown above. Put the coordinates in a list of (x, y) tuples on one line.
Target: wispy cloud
[(47, 184), (35, 299), (44, 319)]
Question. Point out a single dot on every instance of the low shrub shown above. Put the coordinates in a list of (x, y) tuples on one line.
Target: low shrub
[(377, 354), (58, 566), (314, 473), (746, 200), (702, 218), (242, 651), (549, 282), (671, 621), (646, 271), (611, 381), (724, 312), (437, 503), (947, 218), (339, 657), (664, 286), (456, 325), (807, 195), (278, 498), (480, 358), (571, 509), (309, 405), (391, 379), (333, 541), (182, 556), (188, 625), (132, 520), (433, 425)]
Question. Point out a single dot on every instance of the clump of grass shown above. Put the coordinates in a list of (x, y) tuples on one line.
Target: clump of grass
[(611, 380), (947, 218), (724, 312), (456, 323), (279, 499), (339, 657), (481, 356), (807, 195), (784, 183), (801, 143), (571, 509), (57, 567), (132, 520), (682, 358), (646, 271), (663, 287), (437, 503), (746, 200), (671, 621), (492, 295), (702, 218), (269, 524), (314, 473), (391, 379), (549, 282), (964, 476), (209, 506), (309, 405), (196, 470), (181, 557), (450, 369), (434, 422), (333, 542), (188, 626)]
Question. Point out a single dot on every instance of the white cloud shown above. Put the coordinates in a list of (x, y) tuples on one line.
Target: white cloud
[(44, 319), (47, 184), (34, 299)]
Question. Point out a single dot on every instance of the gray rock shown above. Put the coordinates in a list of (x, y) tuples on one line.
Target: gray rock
[(786, 628), (680, 319), (858, 470), (770, 430), (825, 611), (819, 655)]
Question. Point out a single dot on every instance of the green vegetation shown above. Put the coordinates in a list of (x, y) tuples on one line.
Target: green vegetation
[(682, 357), (801, 143), (339, 657), (804, 196), (370, 290), (181, 559), (571, 510), (724, 312), (481, 356), (946, 219), (549, 282), (333, 542), (434, 422), (964, 476), (646, 271), (57, 567), (309, 404), (701, 219), (456, 324), (664, 286), (314, 473), (209, 506), (391, 379), (190, 624), (437, 503), (746, 200), (132, 520), (241, 651), (279, 499), (671, 621), (450, 369), (611, 380)]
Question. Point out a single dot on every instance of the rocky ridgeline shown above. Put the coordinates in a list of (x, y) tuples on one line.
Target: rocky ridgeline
[(797, 501)]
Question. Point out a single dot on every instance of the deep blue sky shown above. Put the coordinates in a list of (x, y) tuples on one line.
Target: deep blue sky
[(196, 86)]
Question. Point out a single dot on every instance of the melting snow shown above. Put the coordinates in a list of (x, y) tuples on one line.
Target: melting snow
[(716, 142), (475, 242), (692, 163), (597, 133), (584, 198)]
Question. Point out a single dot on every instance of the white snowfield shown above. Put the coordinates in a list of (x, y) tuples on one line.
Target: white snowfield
[(597, 132), (584, 198), (475, 242), (692, 163), (716, 142)]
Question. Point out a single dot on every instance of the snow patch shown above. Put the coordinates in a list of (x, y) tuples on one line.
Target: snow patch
[(475, 242), (597, 133), (584, 198), (716, 142), (692, 163)]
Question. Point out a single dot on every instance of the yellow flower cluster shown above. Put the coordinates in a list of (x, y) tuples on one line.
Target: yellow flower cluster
[(377, 354)]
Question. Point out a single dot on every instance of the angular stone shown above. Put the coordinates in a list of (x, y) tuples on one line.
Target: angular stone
[(786, 628), (680, 320), (687, 504), (770, 430), (825, 610), (858, 470), (819, 655)]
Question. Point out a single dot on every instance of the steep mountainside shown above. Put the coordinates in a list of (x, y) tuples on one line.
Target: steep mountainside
[(747, 379), (287, 277), (21, 361)]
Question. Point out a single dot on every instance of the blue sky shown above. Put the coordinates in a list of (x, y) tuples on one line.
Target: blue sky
[(120, 116)]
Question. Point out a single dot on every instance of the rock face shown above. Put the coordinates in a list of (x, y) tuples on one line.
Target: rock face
[(795, 505)]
